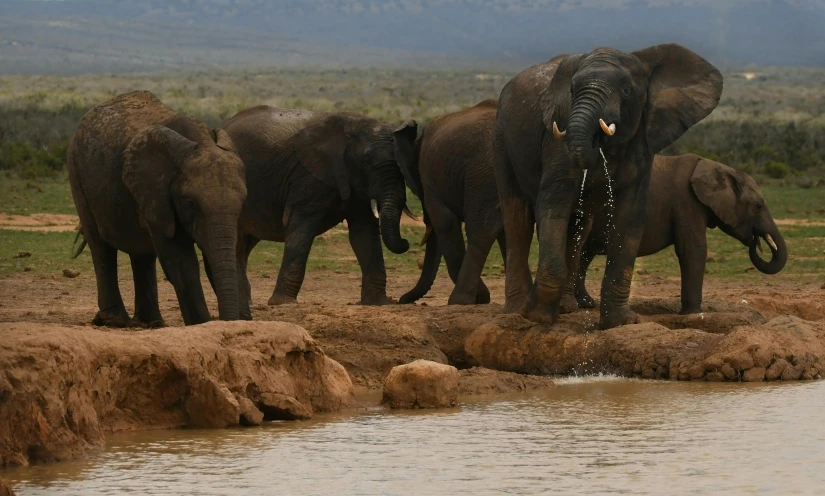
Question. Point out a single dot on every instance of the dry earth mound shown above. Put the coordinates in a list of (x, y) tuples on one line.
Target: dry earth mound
[(63, 388)]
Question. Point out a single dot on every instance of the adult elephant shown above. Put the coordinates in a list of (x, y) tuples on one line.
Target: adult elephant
[(307, 172), (453, 176), (689, 194), (553, 121), (150, 182)]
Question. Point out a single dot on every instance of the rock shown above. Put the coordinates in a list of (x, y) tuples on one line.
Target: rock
[(23, 254), (792, 373), (715, 376), (774, 372), (70, 273), (5, 489), (421, 384), (755, 374), (28, 268), (762, 358), (479, 380), (742, 361), (64, 388), (250, 415), (729, 372), (696, 371), (420, 264)]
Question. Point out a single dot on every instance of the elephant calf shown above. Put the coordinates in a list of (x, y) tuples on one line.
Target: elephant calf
[(150, 182), (687, 195), (307, 172)]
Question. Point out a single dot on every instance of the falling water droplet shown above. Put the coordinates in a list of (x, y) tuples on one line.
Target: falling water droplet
[(580, 212), (610, 205)]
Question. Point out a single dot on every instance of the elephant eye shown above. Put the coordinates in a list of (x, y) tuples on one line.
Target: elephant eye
[(626, 91)]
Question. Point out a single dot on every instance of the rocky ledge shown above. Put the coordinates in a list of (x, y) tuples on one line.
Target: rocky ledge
[(62, 389)]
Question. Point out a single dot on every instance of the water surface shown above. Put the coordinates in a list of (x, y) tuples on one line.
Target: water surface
[(586, 436)]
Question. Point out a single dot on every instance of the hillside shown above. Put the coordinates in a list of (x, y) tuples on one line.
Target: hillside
[(115, 35)]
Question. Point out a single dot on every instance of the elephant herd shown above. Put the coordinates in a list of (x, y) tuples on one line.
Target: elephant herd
[(569, 149)]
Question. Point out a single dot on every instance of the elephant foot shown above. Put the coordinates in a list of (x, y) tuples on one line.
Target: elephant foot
[(568, 304), (154, 324), (482, 295), (618, 317), (376, 300), (245, 315), (541, 313), (408, 298), (462, 299), (585, 300), (514, 304), (280, 299), (689, 309), (116, 318)]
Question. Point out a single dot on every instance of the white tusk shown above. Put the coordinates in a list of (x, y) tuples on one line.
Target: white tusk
[(608, 130), (426, 236), (769, 239), (410, 214), (374, 205), (558, 134)]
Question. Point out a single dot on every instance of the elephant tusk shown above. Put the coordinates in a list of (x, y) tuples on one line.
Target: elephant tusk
[(558, 134), (374, 205), (608, 130), (410, 214), (769, 239), (426, 236)]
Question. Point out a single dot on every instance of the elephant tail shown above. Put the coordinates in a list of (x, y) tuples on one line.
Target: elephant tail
[(432, 259), (82, 245)]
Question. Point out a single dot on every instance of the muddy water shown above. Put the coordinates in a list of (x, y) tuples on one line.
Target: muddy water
[(586, 436)]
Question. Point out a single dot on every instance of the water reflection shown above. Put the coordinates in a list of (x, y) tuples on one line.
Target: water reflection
[(588, 435)]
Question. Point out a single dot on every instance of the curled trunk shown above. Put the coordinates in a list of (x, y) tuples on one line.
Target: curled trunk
[(583, 124), (218, 247), (778, 257), (432, 259), (390, 215)]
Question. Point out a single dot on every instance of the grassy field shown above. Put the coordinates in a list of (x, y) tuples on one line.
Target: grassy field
[(728, 259)]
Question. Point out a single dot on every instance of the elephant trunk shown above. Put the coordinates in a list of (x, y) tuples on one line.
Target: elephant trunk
[(585, 112), (391, 225), (779, 255), (219, 241), (432, 259)]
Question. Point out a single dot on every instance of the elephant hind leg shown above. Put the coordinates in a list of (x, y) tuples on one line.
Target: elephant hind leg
[(111, 311), (469, 284), (144, 272)]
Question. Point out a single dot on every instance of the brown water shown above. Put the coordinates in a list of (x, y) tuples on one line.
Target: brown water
[(596, 435)]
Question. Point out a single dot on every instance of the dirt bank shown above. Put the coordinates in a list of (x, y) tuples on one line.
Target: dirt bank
[(63, 388)]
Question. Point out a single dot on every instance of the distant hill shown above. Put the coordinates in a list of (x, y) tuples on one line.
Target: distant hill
[(38, 36)]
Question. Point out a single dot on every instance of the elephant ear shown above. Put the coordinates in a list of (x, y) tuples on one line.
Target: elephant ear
[(555, 99), (406, 154), (683, 88), (320, 147), (223, 140), (717, 187), (150, 161)]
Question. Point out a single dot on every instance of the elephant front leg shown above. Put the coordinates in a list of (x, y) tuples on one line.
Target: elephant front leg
[(294, 264), (365, 239), (553, 208), (243, 250), (180, 264), (583, 298), (629, 218), (577, 234), (692, 254), (144, 273)]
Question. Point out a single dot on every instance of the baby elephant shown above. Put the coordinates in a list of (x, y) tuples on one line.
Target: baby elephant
[(307, 172), (689, 194), (150, 182)]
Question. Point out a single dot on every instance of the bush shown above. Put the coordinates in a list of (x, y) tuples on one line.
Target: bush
[(776, 170), (33, 161)]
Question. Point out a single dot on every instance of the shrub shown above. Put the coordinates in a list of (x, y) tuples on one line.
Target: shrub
[(776, 170)]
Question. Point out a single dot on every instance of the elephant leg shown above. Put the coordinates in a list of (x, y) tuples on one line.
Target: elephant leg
[(517, 219), (629, 218), (111, 311), (557, 193), (577, 234), (243, 250), (365, 239), (299, 238), (447, 227), (180, 264), (469, 284), (144, 272), (692, 252), (583, 298)]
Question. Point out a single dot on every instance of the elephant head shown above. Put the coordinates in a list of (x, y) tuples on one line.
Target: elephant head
[(608, 98), (362, 157), (740, 210), (189, 181)]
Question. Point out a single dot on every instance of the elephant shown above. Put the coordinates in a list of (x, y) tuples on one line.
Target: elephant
[(689, 194), (575, 114), (453, 176), (152, 183), (307, 172)]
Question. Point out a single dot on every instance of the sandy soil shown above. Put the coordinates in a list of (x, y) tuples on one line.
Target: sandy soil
[(39, 222)]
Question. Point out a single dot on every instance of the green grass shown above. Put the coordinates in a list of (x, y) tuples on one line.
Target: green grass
[(29, 196), (792, 202)]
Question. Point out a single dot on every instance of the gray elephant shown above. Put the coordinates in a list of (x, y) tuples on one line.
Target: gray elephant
[(689, 194), (453, 176), (604, 110), (150, 182), (307, 172)]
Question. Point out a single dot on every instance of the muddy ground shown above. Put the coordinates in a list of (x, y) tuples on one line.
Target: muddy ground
[(368, 341)]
